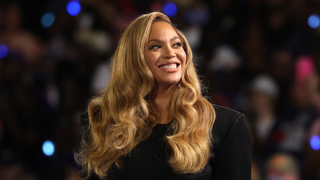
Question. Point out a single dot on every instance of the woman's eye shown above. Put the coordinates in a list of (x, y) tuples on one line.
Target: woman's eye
[(177, 45), (155, 47)]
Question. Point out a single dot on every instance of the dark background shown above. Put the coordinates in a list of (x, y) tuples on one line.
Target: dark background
[(49, 75)]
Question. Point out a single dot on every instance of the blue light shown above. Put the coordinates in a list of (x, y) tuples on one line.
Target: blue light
[(315, 142), (170, 9), (73, 8), (48, 148), (199, 17), (47, 19), (314, 21), (3, 51)]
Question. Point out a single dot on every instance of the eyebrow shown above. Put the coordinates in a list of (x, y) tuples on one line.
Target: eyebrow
[(157, 40)]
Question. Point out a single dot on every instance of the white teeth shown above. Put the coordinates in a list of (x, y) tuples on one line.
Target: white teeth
[(171, 66)]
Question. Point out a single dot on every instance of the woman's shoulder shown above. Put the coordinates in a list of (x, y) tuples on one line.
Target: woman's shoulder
[(232, 147), (225, 117), (228, 123), (225, 113)]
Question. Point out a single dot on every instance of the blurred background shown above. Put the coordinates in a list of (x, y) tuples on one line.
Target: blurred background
[(260, 57)]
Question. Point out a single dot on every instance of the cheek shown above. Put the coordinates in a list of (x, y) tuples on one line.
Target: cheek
[(182, 56), (151, 59)]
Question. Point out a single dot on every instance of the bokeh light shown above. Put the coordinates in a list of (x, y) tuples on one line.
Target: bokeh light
[(199, 17), (73, 8), (3, 51), (48, 148), (170, 9), (314, 21), (315, 142), (156, 7), (47, 19)]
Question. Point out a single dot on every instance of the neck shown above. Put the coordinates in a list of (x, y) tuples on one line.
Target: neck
[(161, 98)]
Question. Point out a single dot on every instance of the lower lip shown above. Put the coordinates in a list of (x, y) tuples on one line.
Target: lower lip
[(171, 70)]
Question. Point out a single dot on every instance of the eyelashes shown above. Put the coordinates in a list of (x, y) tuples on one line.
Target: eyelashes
[(154, 47), (178, 45)]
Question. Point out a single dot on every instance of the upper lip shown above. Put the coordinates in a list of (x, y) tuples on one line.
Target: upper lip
[(170, 62)]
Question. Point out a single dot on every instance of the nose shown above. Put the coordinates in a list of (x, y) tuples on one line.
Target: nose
[(169, 53)]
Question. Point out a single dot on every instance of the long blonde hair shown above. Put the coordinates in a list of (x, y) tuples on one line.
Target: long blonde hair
[(122, 116)]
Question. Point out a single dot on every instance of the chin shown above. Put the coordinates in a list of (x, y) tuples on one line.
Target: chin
[(173, 82), (168, 80)]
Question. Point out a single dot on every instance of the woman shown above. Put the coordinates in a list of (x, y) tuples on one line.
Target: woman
[(151, 121)]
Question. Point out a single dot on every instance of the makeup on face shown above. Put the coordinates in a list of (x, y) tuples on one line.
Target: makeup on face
[(165, 54)]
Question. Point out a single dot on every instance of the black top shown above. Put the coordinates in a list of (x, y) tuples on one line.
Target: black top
[(230, 157)]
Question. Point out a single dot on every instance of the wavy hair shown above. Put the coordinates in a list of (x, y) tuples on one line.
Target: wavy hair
[(122, 115)]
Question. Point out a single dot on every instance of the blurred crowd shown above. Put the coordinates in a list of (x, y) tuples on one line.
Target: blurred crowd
[(259, 57)]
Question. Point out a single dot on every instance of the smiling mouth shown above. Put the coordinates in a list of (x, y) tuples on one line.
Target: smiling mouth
[(169, 66)]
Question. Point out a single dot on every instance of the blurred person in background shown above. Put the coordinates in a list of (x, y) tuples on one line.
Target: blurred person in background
[(41, 90), (24, 44), (312, 161), (255, 172), (281, 69), (262, 103), (282, 167), (262, 118), (19, 88), (290, 133), (222, 72), (253, 49)]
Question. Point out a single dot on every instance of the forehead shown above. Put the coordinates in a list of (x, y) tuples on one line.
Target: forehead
[(162, 30)]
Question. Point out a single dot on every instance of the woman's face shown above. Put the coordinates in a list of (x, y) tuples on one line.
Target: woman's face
[(165, 54)]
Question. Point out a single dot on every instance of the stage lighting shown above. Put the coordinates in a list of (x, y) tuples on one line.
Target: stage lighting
[(3, 51), (48, 148), (170, 9), (73, 8), (47, 19), (315, 142), (314, 21)]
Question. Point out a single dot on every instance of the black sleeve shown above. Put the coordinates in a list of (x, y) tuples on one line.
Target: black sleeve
[(233, 160)]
